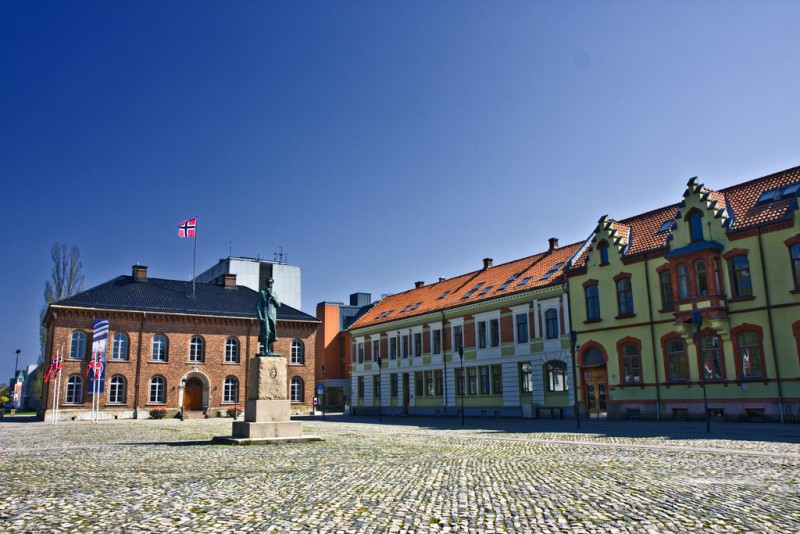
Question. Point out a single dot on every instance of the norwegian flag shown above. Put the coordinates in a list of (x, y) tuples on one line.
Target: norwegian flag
[(53, 367), (187, 228), (92, 365), (59, 365)]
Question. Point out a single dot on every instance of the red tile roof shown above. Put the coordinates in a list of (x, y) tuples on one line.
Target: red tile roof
[(429, 297)]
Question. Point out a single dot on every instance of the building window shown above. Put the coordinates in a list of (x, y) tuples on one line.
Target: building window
[(393, 348), (231, 350), (197, 349), (419, 387), (525, 377), (74, 390), (485, 384), (458, 337), (712, 362), (459, 381), (683, 281), (159, 349), (603, 247), (77, 346), (794, 254), (298, 354), (116, 390), (436, 341), (592, 303), (439, 384), (555, 373), (376, 349), (625, 296), (429, 384), (119, 350), (696, 227), (740, 276), (701, 277), (418, 344), (522, 328), (297, 392), (158, 390), (404, 345), (472, 380), (665, 280), (631, 363), (230, 389), (494, 330), (393, 385), (677, 361), (360, 351), (376, 386), (750, 355), (482, 334), (497, 380), (360, 388), (551, 323)]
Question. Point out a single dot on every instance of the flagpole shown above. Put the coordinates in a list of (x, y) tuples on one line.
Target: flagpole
[(194, 258)]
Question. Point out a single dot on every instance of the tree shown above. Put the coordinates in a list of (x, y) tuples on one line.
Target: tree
[(66, 280)]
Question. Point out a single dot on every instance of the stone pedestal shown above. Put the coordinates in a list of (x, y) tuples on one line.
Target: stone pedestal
[(267, 410)]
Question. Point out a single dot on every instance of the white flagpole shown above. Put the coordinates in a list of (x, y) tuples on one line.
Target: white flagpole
[(194, 257), (55, 393), (57, 387)]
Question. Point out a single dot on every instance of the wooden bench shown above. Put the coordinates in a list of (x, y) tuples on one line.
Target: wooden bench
[(552, 409)]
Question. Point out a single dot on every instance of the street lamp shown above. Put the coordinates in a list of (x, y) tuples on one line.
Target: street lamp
[(573, 337), (323, 392), (697, 322), (463, 381), (182, 393), (380, 386), (14, 394)]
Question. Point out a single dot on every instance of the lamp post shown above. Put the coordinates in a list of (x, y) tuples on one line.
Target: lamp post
[(183, 389), (323, 392), (463, 380), (697, 322), (573, 337), (380, 386), (15, 402)]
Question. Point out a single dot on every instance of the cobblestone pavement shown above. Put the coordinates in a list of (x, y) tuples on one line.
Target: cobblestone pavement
[(403, 475)]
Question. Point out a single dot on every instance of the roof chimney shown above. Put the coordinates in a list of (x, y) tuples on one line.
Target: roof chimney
[(553, 243), (140, 273), (442, 278), (419, 284), (487, 262), (228, 280)]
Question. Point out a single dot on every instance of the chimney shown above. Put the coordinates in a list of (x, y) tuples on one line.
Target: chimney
[(553, 243), (442, 278), (140, 273), (228, 280), (419, 284), (487, 262)]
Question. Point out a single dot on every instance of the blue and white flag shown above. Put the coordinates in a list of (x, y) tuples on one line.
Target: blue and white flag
[(98, 363)]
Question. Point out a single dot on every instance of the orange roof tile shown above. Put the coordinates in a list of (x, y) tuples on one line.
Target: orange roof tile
[(527, 273)]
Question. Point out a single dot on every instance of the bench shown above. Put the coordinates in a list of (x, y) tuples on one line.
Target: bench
[(552, 409)]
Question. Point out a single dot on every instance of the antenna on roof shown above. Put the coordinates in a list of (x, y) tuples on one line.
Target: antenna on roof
[(280, 257)]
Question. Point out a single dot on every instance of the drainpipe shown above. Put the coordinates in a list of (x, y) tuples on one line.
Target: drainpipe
[(652, 337), (771, 329), (138, 369)]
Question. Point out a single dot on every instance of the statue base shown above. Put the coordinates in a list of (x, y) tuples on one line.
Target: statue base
[(267, 410)]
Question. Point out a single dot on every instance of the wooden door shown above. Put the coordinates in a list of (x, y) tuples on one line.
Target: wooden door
[(595, 390), (193, 395)]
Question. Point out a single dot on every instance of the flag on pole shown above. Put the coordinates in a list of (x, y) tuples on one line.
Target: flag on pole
[(99, 346), (60, 364), (187, 228), (53, 367)]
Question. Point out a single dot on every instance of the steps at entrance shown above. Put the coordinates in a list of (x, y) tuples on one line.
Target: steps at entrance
[(194, 415)]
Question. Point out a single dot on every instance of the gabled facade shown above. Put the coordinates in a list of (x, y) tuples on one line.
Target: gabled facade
[(493, 342), (170, 349), (693, 306)]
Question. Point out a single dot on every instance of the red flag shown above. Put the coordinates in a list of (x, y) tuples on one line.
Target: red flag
[(60, 364), (53, 366), (187, 228), (92, 365)]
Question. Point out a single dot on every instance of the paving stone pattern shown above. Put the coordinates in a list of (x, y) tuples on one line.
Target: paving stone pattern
[(405, 475)]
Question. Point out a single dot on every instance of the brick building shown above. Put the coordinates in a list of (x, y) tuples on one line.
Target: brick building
[(171, 349)]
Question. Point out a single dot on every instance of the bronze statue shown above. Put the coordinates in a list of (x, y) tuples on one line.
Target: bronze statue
[(268, 305)]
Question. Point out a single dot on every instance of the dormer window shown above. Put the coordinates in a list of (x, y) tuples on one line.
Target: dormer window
[(696, 227)]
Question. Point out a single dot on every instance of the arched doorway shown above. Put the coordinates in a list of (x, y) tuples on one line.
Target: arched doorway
[(594, 377), (193, 394)]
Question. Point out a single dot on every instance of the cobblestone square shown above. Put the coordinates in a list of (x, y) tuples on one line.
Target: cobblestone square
[(402, 475)]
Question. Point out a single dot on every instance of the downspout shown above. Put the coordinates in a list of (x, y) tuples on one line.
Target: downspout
[(138, 369), (652, 337), (771, 329), (444, 362)]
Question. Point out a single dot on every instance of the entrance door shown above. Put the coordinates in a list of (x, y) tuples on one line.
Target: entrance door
[(406, 394), (595, 389), (193, 395)]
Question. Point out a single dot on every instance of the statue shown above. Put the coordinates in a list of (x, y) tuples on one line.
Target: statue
[(268, 305)]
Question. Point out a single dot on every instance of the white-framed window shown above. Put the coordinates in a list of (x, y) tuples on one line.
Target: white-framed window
[(296, 393), (160, 348), (404, 345), (116, 390), (393, 347), (77, 346), (298, 356), (230, 389), (436, 341), (457, 334), (119, 349), (376, 349), (555, 373), (158, 390), (487, 330), (417, 336), (360, 351), (74, 390), (521, 324), (231, 350), (526, 377), (197, 349), (551, 328)]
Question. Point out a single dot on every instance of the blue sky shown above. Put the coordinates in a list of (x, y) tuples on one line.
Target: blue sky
[(378, 143)]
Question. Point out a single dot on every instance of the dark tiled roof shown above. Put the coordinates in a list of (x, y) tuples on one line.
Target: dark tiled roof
[(174, 296)]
